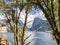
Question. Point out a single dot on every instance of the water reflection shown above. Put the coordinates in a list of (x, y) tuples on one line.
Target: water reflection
[(40, 38)]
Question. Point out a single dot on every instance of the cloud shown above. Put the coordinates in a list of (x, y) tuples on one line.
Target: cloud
[(31, 17)]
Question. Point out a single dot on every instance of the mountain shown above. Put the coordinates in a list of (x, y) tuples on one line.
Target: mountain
[(20, 23), (40, 25)]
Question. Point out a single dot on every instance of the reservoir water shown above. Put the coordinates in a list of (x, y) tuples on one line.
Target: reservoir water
[(40, 38)]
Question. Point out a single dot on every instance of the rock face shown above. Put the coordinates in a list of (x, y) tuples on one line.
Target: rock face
[(40, 25), (20, 23)]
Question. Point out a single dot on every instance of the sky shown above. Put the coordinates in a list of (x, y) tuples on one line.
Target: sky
[(36, 12), (33, 14)]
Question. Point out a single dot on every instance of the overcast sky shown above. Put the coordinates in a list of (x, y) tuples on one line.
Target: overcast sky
[(33, 14)]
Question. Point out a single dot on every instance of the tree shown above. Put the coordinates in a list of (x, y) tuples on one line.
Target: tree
[(51, 9), (12, 10)]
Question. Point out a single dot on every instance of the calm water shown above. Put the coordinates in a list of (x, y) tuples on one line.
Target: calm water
[(40, 38)]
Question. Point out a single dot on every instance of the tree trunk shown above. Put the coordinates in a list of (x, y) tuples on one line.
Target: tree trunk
[(58, 41), (59, 11), (16, 39), (22, 43)]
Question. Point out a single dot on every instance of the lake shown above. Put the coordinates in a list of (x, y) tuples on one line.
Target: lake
[(40, 38)]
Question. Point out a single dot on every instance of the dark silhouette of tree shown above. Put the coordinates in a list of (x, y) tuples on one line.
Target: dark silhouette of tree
[(51, 12), (51, 9)]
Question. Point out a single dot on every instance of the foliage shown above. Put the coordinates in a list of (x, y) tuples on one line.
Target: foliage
[(51, 9), (11, 9)]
